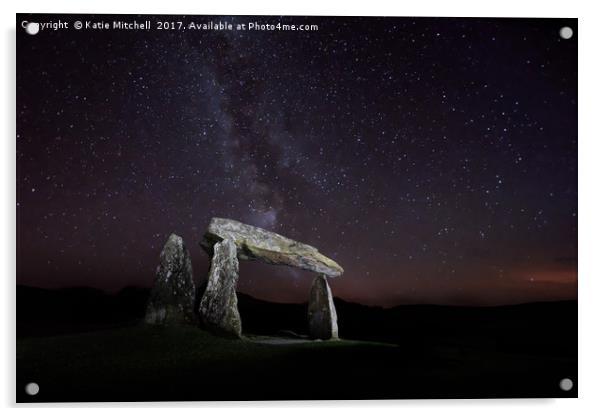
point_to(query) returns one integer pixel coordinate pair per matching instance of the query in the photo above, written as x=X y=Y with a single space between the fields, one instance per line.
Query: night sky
x=434 y=159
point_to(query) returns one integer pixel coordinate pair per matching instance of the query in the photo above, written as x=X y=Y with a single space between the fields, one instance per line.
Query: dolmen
x=227 y=241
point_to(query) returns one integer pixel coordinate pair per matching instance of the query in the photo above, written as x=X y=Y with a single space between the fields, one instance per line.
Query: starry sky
x=435 y=159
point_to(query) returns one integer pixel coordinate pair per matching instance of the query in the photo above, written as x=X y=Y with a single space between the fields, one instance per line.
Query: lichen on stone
x=172 y=297
x=322 y=315
x=219 y=305
x=254 y=243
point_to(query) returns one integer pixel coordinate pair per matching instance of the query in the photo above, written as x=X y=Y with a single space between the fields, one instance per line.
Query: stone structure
x=219 y=305
x=172 y=297
x=322 y=315
x=228 y=240
x=254 y=243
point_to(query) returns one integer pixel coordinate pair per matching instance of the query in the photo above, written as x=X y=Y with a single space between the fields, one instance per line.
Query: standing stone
x=322 y=314
x=172 y=297
x=219 y=305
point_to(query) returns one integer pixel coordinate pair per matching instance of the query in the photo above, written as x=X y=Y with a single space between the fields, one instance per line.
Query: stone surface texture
x=172 y=298
x=322 y=315
x=219 y=305
x=254 y=243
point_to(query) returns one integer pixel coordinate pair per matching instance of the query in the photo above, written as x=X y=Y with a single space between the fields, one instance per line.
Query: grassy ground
x=100 y=353
x=159 y=363
x=146 y=363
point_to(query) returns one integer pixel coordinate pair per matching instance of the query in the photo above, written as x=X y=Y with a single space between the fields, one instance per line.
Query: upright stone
x=219 y=305
x=172 y=297
x=322 y=315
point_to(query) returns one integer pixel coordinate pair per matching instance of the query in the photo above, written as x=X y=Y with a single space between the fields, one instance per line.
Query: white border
x=590 y=134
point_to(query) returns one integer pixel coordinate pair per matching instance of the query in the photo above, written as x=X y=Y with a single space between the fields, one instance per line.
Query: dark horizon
x=337 y=298
x=435 y=159
x=467 y=304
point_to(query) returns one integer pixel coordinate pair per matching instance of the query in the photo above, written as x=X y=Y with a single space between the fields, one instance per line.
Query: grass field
x=101 y=353
x=160 y=363
x=146 y=363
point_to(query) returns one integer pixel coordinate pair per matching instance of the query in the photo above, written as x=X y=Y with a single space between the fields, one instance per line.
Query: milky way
x=434 y=159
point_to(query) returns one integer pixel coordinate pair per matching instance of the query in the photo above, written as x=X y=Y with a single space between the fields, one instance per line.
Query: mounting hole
x=32 y=389
x=566 y=32
x=32 y=28
x=566 y=384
